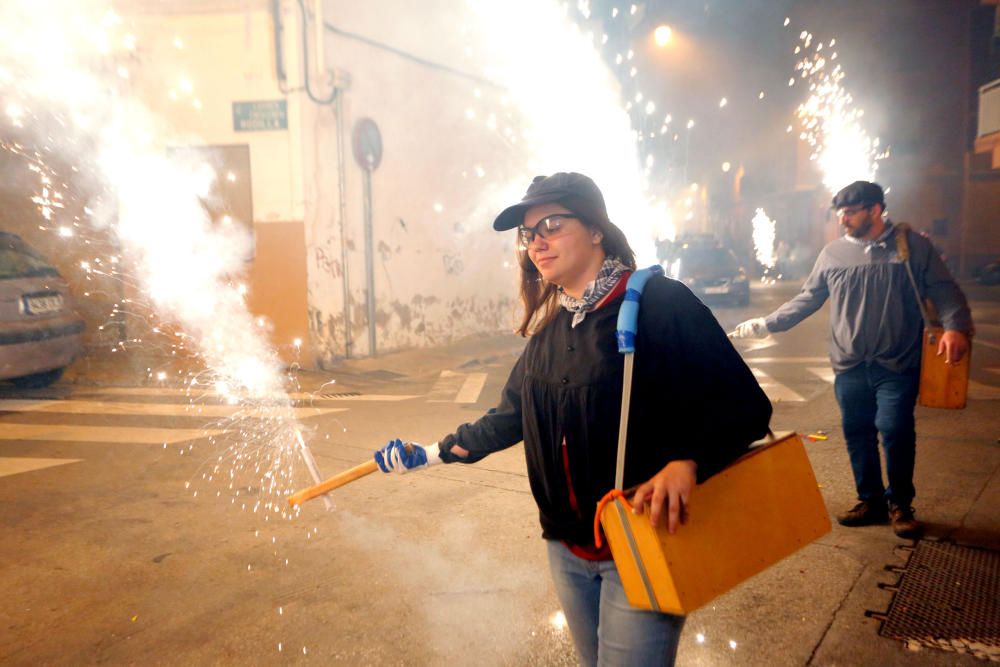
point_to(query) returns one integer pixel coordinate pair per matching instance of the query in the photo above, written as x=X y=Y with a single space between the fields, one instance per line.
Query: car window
x=17 y=260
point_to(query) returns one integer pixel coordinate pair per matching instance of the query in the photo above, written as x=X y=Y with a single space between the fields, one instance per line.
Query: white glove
x=402 y=458
x=755 y=328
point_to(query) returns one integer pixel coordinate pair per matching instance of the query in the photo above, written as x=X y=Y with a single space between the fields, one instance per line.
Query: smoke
x=570 y=103
x=471 y=603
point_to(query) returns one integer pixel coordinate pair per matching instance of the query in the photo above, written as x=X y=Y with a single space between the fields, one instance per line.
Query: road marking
x=207 y=392
x=449 y=383
x=471 y=388
x=755 y=345
x=115 y=434
x=157 y=409
x=15 y=466
x=824 y=373
x=774 y=389
x=983 y=392
x=982 y=341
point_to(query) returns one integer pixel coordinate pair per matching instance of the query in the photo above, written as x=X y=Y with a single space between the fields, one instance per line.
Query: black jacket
x=693 y=397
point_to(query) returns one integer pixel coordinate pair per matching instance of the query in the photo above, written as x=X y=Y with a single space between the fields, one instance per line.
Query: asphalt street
x=140 y=527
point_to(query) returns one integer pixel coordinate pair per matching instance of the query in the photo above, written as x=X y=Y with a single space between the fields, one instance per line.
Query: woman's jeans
x=876 y=401
x=605 y=629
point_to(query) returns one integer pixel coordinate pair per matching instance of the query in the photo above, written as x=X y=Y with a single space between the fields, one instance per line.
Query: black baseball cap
x=859 y=193
x=575 y=191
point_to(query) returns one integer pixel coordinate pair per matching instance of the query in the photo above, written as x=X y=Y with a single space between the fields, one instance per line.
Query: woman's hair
x=541 y=298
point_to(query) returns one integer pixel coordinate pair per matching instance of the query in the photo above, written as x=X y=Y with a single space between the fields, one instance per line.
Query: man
x=876 y=343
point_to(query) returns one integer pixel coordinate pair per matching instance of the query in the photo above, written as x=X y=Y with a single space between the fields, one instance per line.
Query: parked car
x=40 y=330
x=711 y=270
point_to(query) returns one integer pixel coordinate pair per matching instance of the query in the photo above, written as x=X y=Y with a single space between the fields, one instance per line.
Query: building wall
x=440 y=272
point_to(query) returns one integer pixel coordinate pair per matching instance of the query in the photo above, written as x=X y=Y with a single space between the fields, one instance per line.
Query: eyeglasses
x=850 y=210
x=547 y=228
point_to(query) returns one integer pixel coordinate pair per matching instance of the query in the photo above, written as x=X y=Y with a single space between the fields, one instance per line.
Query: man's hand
x=953 y=345
x=755 y=328
x=402 y=458
x=671 y=487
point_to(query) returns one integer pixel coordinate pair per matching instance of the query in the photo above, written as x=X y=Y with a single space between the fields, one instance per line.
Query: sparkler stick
x=338 y=480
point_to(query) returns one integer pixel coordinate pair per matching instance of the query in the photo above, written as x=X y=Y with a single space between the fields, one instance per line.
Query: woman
x=695 y=407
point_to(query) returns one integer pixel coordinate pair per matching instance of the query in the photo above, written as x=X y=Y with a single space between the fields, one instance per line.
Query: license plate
x=39 y=305
x=722 y=289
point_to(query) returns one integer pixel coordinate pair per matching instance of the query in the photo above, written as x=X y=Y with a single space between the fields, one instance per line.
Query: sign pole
x=369 y=259
x=366 y=142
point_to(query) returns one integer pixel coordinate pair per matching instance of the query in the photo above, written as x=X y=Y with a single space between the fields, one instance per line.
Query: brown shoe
x=865 y=513
x=903 y=523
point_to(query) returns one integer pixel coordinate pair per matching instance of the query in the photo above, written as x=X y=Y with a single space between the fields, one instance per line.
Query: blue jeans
x=605 y=629
x=876 y=401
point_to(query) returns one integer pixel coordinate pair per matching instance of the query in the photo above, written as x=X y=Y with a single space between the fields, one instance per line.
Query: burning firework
x=62 y=68
x=842 y=148
x=763 y=239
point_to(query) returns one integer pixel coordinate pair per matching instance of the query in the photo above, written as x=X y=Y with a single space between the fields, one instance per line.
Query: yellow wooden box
x=942 y=385
x=762 y=508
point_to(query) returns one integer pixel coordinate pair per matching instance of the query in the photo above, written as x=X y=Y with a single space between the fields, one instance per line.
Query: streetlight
x=663 y=34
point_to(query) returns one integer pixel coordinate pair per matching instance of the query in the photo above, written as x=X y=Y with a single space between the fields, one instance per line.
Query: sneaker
x=903 y=522
x=865 y=513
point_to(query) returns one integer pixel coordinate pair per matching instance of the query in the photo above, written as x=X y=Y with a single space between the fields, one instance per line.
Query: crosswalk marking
x=471 y=388
x=115 y=434
x=149 y=409
x=774 y=389
x=981 y=341
x=448 y=384
x=983 y=392
x=755 y=345
x=207 y=392
x=17 y=465
x=824 y=373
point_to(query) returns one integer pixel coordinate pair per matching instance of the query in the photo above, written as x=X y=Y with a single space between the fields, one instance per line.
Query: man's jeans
x=876 y=401
x=605 y=629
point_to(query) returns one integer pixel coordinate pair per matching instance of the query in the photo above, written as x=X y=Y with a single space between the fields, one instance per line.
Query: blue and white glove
x=402 y=458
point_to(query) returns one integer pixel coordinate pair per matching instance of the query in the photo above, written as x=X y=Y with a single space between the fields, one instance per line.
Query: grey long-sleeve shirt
x=874 y=315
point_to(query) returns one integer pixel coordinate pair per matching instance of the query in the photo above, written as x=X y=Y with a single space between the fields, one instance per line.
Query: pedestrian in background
x=877 y=333
x=695 y=408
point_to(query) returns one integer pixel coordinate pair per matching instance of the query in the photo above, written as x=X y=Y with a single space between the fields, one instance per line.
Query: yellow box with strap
x=763 y=507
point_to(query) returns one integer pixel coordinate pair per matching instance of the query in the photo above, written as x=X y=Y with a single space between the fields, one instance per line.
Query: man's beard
x=862 y=230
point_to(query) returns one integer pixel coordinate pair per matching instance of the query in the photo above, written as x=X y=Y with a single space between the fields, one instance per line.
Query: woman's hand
x=672 y=486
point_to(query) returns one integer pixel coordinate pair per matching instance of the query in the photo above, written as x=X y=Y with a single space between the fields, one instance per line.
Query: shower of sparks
x=763 y=239
x=74 y=125
x=563 y=90
x=831 y=124
x=558 y=621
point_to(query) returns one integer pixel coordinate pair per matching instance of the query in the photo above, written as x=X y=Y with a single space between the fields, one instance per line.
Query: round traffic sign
x=366 y=142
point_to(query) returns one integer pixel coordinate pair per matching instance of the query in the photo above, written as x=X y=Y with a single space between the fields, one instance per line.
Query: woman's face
x=563 y=249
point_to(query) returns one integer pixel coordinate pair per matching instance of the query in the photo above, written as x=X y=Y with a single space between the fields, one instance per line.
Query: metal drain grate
x=948 y=598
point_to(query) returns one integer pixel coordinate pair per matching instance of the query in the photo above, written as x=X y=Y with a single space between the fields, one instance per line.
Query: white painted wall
x=225 y=57
x=441 y=272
